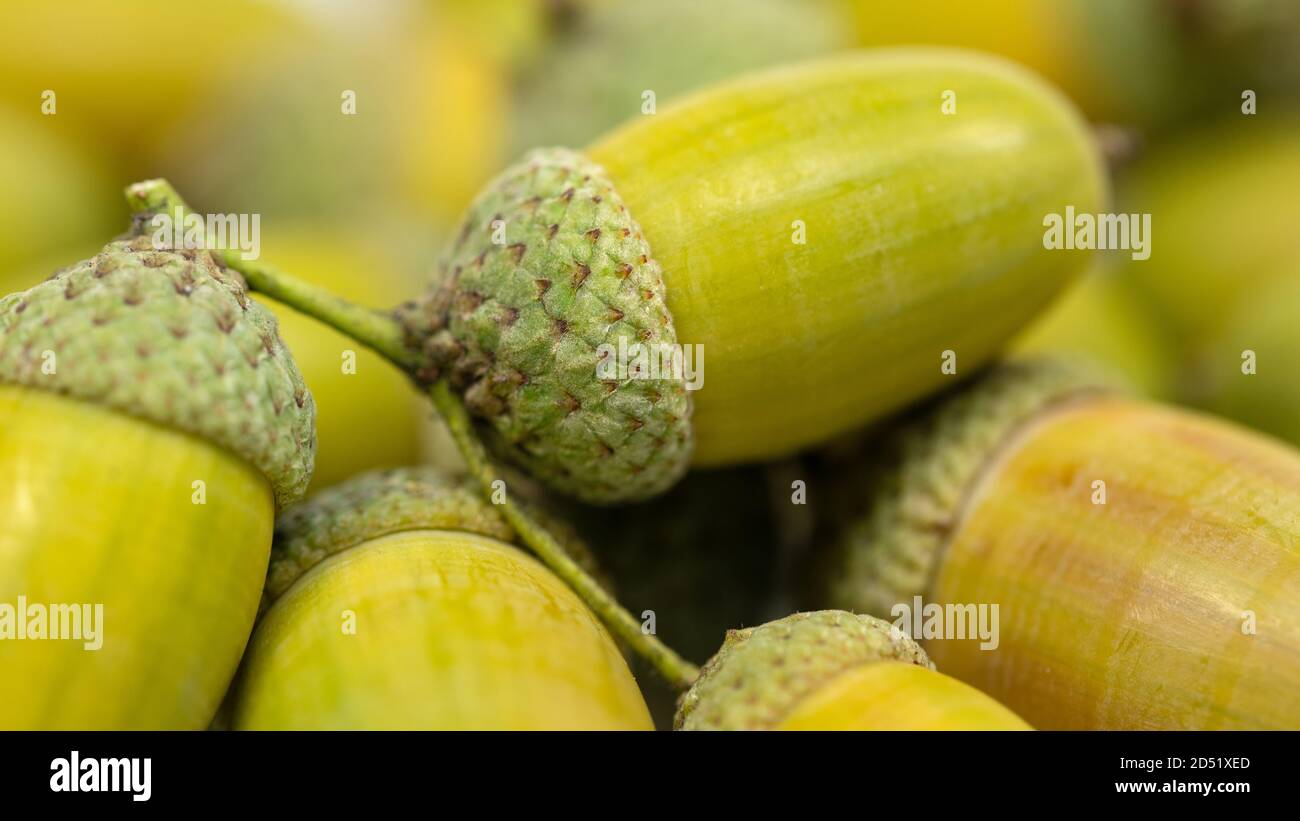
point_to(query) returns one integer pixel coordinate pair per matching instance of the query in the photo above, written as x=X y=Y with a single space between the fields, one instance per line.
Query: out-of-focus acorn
x=617 y=60
x=368 y=415
x=1148 y=63
x=1222 y=204
x=1107 y=320
x=57 y=204
x=1249 y=370
x=396 y=121
x=86 y=63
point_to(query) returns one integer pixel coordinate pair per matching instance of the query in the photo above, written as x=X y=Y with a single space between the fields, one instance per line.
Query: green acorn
x=822 y=234
x=832 y=670
x=396 y=600
x=597 y=71
x=151 y=422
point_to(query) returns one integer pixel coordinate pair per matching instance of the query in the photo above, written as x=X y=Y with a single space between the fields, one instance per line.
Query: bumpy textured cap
x=762 y=673
x=891 y=552
x=548 y=268
x=382 y=502
x=171 y=337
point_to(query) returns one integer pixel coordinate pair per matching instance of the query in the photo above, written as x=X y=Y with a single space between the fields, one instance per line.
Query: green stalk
x=382 y=333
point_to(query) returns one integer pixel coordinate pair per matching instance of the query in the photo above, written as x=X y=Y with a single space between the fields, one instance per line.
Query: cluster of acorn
x=846 y=250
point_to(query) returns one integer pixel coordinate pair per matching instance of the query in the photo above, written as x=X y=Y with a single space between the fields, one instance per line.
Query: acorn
x=1222 y=278
x=360 y=399
x=57 y=201
x=822 y=230
x=1247 y=370
x=1144 y=559
x=1106 y=319
x=412 y=94
x=1148 y=63
x=832 y=670
x=613 y=61
x=396 y=601
x=151 y=421
x=80 y=61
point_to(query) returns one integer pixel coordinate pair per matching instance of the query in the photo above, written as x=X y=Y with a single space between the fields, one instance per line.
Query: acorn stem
x=385 y=335
x=623 y=624
x=376 y=330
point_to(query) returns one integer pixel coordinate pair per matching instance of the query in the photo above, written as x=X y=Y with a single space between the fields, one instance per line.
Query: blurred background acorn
x=597 y=68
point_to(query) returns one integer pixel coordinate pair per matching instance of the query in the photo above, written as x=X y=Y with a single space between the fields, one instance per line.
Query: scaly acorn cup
x=396 y=601
x=821 y=231
x=832 y=670
x=150 y=423
x=1144 y=560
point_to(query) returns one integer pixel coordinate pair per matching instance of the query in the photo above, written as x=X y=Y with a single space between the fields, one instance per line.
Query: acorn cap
x=890 y=554
x=171 y=337
x=761 y=673
x=548 y=277
x=383 y=502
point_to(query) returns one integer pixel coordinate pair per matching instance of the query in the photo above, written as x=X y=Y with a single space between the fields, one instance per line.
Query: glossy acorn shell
x=452 y=631
x=890 y=695
x=98 y=509
x=1173 y=605
x=924 y=232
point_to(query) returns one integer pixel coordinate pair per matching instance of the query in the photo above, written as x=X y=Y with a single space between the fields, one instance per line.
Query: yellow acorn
x=80 y=62
x=1106 y=319
x=1142 y=62
x=367 y=416
x=832 y=670
x=1144 y=561
x=151 y=421
x=816 y=239
x=391 y=126
x=57 y=202
x=395 y=601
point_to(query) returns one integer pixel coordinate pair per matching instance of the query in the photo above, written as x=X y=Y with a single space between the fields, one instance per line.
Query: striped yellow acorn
x=831 y=670
x=395 y=601
x=1144 y=560
x=150 y=423
x=811 y=239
